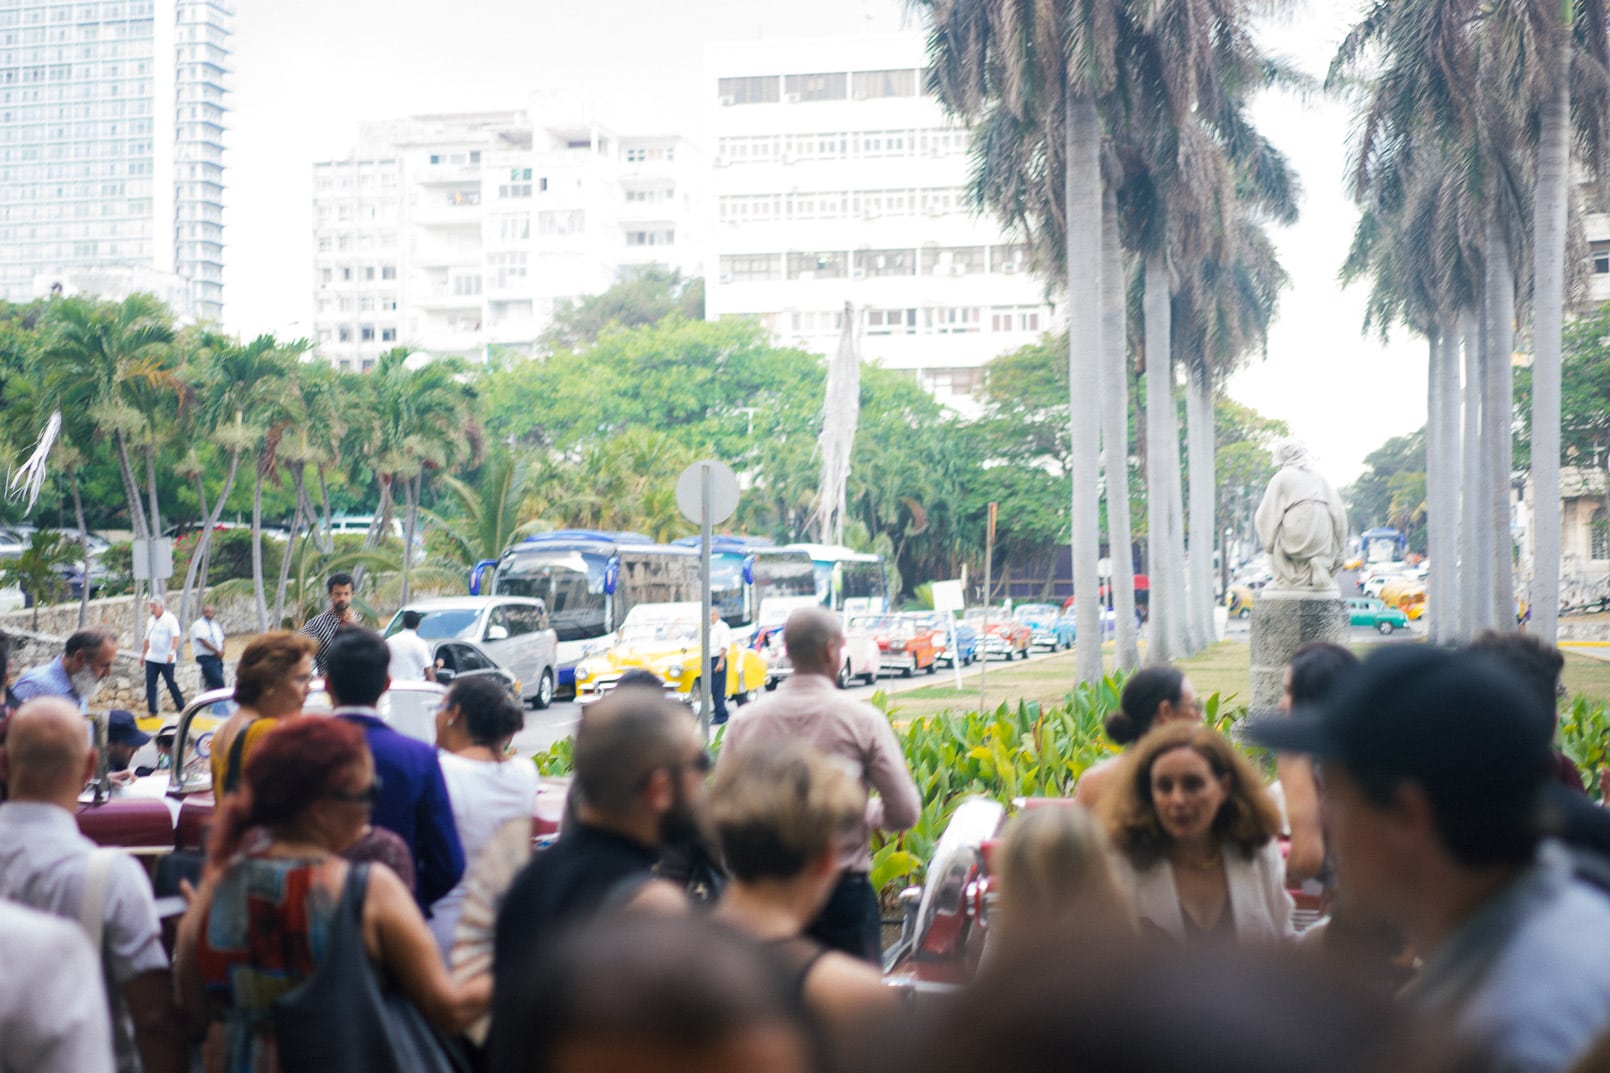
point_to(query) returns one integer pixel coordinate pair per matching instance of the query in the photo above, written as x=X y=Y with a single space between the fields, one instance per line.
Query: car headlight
x=583 y=671
x=673 y=670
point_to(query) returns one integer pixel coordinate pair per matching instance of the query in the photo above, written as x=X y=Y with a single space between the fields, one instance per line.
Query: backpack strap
x=92 y=906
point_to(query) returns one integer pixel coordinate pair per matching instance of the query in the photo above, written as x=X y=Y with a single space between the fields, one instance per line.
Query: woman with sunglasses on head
x=474 y=725
x=262 y=919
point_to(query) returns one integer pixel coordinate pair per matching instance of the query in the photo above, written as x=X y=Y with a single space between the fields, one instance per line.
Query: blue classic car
x=1041 y=619
x=966 y=637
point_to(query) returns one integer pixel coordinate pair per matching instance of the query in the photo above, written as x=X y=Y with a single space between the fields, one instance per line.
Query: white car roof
x=467 y=603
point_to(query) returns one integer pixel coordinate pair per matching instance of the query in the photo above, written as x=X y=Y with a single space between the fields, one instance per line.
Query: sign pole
x=704 y=601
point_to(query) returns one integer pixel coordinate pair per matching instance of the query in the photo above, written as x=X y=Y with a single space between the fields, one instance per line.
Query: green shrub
x=1585 y=738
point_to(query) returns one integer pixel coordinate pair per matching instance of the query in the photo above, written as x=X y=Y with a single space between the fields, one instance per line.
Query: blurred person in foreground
x=47 y=864
x=777 y=818
x=810 y=708
x=1315 y=672
x=1193 y=833
x=271 y=682
x=55 y=1021
x=474 y=725
x=260 y=922
x=1433 y=775
x=651 y=994
x=1153 y=696
x=1054 y=879
x=639 y=782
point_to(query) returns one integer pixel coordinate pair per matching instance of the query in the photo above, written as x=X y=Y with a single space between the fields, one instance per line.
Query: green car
x=1368 y=611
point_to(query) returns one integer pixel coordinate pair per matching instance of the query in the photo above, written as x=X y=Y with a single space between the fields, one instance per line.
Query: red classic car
x=902 y=645
x=1005 y=637
x=171 y=809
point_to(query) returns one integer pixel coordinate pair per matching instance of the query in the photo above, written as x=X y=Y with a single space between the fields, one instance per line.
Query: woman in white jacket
x=1193 y=833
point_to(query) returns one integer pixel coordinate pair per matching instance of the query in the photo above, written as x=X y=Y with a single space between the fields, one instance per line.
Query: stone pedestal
x=1281 y=624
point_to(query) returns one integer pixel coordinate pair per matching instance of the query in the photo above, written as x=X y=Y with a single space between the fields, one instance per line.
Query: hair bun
x=1119 y=727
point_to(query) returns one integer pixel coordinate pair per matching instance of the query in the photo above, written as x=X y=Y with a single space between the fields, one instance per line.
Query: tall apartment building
x=459 y=234
x=111 y=148
x=837 y=179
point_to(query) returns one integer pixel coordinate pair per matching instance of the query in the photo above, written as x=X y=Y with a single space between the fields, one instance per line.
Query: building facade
x=112 y=116
x=837 y=179
x=461 y=234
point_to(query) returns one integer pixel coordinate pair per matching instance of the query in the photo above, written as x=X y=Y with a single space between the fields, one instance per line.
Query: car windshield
x=662 y=632
x=442 y=625
x=1033 y=611
x=878 y=623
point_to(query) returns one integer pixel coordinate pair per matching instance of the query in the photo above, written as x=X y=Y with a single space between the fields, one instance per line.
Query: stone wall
x=125 y=688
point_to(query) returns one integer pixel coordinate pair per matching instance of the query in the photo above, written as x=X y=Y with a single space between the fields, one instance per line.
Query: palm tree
x=1115 y=436
x=486 y=516
x=38 y=570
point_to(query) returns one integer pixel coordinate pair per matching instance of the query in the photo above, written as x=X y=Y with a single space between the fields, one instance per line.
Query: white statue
x=1302 y=525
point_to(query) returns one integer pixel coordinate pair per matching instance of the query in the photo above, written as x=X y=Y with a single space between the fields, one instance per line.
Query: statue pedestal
x=1282 y=622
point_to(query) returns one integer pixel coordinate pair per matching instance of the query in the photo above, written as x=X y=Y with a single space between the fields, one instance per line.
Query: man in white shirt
x=207 y=645
x=55 y=1021
x=47 y=864
x=162 y=640
x=720 y=641
x=410 y=653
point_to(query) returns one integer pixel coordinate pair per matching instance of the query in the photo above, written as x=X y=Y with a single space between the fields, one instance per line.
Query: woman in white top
x=1193 y=833
x=487 y=788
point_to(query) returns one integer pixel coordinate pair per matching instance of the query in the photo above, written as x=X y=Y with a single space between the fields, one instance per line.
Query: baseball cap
x=121 y=728
x=1461 y=724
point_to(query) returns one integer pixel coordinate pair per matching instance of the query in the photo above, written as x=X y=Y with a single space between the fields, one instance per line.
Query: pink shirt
x=810 y=708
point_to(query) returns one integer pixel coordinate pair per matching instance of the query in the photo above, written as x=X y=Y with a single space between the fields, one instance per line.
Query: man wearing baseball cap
x=1434 y=777
x=123 y=739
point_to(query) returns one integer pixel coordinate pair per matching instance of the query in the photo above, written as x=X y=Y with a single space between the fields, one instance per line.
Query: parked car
x=1005 y=637
x=903 y=647
x=1408 y=595
x=860 y=661
x=1239 y=600
x=944 y=626
x=455 y=661
x=768 y=634
x=172 y=809
x=664 y=639
x=1066 y=626
x=513 y=631
x=1041 y=620
x=1368 y=611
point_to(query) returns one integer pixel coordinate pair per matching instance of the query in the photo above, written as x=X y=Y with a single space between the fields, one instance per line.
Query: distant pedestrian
x=207 y=645
x=810 y=708
x=322 y=627
x=162 y=640
x=1153 y=696
x=720 y=641
x=123 y=739
x=76 y=674
x=410 y=653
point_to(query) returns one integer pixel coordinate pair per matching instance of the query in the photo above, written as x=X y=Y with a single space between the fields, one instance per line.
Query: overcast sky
x=307 y=72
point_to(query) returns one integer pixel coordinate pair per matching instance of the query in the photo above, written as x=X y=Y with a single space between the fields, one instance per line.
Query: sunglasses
x=369 y=795
x=699 y=761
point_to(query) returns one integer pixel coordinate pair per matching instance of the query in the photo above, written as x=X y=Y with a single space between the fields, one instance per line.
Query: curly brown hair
x=266 y=662
x=1247 y=820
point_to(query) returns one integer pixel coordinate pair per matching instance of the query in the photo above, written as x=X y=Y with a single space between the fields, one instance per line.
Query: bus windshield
x=571 y=583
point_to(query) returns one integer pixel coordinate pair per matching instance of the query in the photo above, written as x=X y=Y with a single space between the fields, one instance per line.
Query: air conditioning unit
x=859 y=273
x=791 y=98
x=728 y=101
x=1009 y=268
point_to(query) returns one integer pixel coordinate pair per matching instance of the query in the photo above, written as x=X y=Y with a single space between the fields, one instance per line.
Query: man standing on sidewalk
x=720 y=641
x=207 y=644
x=322 y=627
x=809 y=707
x=162 y=640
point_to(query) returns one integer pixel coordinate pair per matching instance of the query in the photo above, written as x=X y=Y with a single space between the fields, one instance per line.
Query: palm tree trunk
x=1166 y=609
x=326 y=539
x=1199 y=435
x=259 y=596
x=83 y=545
x=285 y=561
x=410 y=522
x=158 y=585
x=1442 y=481
x=1548 y=306
x=131 y=490
x=1082 y=190
x=195 y=556
x=196 y=576
x=1497 y=420
x=1473 y=526
x=1115 y=436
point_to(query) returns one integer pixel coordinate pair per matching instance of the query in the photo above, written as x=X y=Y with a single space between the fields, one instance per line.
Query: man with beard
x=639 y=780
x=76 y=674
x=322 y=627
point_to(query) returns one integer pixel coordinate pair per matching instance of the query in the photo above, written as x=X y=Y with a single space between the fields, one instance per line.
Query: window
x=1601 y=260
x=1008 y=259
x=388 y=272
x=876 y=263
x=466 y=286
x=953 y=261
x=506 y=268
x=1600 y=526
x=962 y=381
x=651 y=238
x=1014 y=319
x=827 y=322
x=819 y=87
x=951 y=320
x=822 y=265
x=519 y=175
x=751 y=268
x=514 y=228
x=571 y=222
x=891 y=322
x=514 y=190
x=866 y=85
x=759 y=89
x=388 y=335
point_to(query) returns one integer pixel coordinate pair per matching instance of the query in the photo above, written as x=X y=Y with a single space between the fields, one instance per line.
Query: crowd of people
x=718 y=913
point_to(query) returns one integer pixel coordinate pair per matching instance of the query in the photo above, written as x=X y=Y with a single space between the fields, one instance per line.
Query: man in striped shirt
x=322 y=627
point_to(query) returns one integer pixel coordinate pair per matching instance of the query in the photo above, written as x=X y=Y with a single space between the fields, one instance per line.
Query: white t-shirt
x=485 y=794
x=163 y=635
x=206 y=629
x=410 y=655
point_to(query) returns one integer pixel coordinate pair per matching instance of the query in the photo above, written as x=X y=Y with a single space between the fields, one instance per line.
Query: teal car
x=1368 y=611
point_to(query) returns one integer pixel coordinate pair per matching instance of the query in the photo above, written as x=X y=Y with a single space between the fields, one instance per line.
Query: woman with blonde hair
x=1193 y=834
x=271 y=683
x=1055 y=878
x=779 y=818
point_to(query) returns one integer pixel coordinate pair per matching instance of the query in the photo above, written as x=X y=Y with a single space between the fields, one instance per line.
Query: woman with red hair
x=261 y=921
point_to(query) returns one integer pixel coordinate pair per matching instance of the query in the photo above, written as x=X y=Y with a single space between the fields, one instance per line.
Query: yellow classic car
x=664 y=640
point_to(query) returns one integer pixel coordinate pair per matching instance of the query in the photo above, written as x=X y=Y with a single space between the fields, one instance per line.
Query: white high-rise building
x=111 y=149
x=459 y=234
x=836 y=178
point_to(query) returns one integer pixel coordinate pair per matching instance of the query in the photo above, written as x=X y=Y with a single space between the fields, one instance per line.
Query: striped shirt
x=322 y=627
